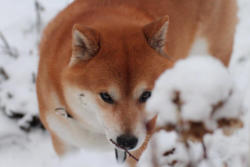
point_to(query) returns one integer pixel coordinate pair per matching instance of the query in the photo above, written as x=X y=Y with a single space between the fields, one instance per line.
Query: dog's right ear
x=85 y=43
x=156 y=34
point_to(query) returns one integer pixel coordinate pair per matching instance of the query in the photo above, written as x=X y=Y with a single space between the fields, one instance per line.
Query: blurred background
x=23 y=139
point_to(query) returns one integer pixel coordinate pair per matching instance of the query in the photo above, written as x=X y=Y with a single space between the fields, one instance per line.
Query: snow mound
x=165 y=149
x=200 y=87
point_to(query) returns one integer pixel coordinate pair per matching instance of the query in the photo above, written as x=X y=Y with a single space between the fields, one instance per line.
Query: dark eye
x=107 y=98
x=144 y=97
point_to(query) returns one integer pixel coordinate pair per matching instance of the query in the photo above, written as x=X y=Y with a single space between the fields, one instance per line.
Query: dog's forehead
x=125 y=63
x=131 y=74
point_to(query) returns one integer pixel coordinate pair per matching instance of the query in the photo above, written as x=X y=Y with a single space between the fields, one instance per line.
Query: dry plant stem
x=173 y=163
x=177 y=101
x=4 y=74
x=39 y=8
x=179 y=129
x=169 y=152
x=204 y=149
x=181 y=132
x=131 y=155
x=7 y=47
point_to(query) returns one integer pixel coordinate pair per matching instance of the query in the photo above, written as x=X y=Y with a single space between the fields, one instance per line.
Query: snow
x=217 y=145
x=202 y=82
x=19 y=148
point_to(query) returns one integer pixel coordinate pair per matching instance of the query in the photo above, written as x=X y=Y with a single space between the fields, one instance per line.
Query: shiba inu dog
x=99 y=60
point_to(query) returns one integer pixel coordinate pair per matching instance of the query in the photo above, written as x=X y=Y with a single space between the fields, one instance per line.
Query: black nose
x=127 y=141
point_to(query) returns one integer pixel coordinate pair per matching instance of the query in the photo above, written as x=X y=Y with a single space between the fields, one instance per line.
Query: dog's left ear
x=85 y=43
x=156 y=33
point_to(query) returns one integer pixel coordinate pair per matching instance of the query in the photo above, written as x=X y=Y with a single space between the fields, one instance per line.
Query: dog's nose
x=127 y=141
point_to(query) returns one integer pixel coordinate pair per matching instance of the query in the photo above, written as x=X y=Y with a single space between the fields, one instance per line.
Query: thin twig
x=204 y=149
x=169 y=152
x=4 y=74
x=7 y=48
x=131 y=155
x=39 y=8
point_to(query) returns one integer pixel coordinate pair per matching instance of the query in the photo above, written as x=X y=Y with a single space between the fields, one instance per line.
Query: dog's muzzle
x=124 y=143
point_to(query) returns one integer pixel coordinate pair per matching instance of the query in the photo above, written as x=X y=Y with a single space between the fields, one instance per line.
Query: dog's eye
x=144 y=96
x=107 y=98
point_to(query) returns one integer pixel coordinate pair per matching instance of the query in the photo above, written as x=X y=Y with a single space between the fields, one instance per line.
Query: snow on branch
x=194 y=99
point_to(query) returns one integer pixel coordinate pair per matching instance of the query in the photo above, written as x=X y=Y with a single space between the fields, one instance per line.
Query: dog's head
x=112 y=72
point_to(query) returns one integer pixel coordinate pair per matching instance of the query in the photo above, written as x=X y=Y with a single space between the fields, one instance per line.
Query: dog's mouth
x=121 y=153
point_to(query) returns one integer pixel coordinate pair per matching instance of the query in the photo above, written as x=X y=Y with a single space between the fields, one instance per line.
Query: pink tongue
x=120 y=155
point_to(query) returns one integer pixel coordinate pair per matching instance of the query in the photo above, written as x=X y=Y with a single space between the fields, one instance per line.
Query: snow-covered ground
x=17 y=92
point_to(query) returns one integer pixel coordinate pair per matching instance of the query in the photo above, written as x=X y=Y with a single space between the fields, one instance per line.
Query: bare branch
x=39 y=8
x=7 y=48
x=204 y=150
x=3 y=74
x=169 y=152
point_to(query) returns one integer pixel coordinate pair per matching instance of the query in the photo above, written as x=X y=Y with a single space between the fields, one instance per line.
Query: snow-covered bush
x=19 y=57
x=195 y=99
x=198 y=89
